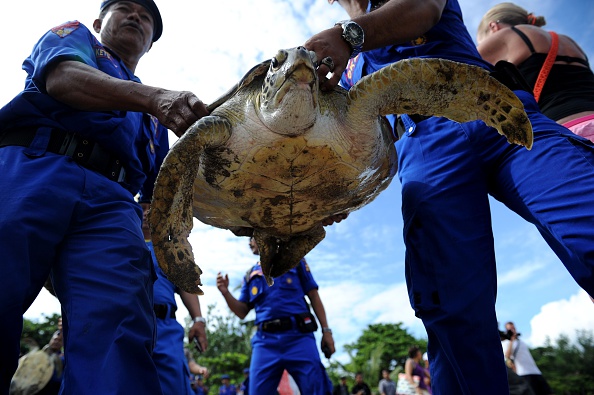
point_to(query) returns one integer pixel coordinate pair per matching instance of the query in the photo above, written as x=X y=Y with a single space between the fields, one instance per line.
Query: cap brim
x=151 y=7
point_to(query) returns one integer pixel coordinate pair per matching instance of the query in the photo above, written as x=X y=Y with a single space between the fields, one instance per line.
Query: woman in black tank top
x=508 y=32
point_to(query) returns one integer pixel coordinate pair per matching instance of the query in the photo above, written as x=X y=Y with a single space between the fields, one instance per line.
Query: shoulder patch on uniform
x=254 y=271
x=66 y=28
x=419 y=40
x=254 y=290
x=257 y=271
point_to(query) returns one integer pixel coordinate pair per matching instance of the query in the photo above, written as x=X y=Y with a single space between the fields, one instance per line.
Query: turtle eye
x=279 y=59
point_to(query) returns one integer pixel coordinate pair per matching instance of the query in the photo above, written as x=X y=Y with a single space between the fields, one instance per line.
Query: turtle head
x=289 y=98
x=278 y=255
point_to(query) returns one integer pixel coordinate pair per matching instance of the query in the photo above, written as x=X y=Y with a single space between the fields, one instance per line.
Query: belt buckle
x=68 y=145
x=272 y=325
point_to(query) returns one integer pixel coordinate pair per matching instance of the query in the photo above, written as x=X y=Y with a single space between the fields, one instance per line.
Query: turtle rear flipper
x=170 y=217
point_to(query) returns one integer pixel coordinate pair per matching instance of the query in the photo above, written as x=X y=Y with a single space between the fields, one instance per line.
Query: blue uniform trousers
x=291 y=350
x=86 y=230
x=447 y=170
x=174 y=374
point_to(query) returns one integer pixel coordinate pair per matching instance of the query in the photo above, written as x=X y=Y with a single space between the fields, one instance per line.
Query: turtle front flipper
x=170 y=217
x=279 y=256
x=440 y=87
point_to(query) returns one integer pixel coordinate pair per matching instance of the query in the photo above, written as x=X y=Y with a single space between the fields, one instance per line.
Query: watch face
x=354 y=34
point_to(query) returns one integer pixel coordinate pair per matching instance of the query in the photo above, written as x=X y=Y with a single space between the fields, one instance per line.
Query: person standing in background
x=169 y=355
x=285 y=336
x=516 y=351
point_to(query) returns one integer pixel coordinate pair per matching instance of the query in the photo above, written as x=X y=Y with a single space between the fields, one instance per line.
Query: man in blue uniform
x=226 y=387
x=76 y=145
x=447 y=171
x=169 y=356
x=285 y=339
x=244 y=386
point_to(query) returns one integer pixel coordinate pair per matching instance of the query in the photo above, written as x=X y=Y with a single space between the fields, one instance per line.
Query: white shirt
x=522 y=358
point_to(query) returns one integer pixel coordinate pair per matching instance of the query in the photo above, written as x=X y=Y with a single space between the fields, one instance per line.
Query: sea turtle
x=277 y=156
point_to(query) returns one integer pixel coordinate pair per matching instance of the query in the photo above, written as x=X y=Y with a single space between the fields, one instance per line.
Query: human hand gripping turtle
x=277 y=157
x=332 y=50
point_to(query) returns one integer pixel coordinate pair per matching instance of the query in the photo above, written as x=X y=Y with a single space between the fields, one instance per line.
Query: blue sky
x=206 y=48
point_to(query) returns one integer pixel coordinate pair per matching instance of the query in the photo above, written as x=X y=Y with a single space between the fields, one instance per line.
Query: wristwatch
x=199 y=319
x=354 y=35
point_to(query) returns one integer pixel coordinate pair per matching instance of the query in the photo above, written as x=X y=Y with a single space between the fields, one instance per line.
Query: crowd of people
x=82 y=144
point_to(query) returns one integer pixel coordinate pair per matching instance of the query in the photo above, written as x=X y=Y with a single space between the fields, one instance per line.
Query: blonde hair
x=510 y=14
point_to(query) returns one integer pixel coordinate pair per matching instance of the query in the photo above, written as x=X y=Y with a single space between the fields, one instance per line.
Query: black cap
x=149 y=5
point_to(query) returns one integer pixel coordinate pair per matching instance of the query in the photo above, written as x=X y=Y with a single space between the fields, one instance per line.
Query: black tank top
x=569 y=88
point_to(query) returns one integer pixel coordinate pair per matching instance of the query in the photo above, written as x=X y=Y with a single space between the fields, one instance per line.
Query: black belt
x=163 y=311
x=277 y=325
x=83 y=151
x=401 y=129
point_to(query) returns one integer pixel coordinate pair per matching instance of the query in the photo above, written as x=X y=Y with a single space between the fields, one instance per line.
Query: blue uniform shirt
x=284 y=298
x=227 y=390
x=131 y=136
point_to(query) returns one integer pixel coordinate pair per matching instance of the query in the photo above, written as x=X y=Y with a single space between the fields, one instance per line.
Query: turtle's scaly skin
x=276 y=156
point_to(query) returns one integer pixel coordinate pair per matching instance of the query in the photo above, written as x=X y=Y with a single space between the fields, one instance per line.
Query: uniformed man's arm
x=395 y=22
x=238 y=307
x=86 y=88
x=198 y=328
x=320 y=311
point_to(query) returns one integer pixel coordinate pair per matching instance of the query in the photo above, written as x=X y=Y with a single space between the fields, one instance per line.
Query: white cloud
x=45 y=305
x=519 y=273
x=564 y=316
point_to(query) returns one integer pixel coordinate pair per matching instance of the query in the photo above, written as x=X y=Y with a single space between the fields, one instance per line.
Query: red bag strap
x=547 y=65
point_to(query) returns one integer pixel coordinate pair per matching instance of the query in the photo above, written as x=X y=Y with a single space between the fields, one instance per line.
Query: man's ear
x=494 y=26
x=97 y=25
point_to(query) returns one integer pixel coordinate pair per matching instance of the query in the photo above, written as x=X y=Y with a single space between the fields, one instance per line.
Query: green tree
x=568 y=368
x=380 y=346
x=37 y=334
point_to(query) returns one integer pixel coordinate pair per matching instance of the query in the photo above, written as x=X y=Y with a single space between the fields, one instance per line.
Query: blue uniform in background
x=447 y=171
x=168 y=354
x=290 y=349
x=60 y=216
x=227 y=390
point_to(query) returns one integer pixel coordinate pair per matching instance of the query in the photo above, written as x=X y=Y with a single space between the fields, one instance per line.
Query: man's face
x=385 y=374
x=56 y=341
x=359 y=378
x=128 y=25
x=510 y=327
x=254 y=246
